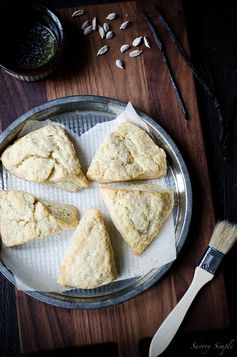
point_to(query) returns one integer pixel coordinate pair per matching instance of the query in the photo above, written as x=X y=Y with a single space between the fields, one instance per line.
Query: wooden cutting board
x=144 y=82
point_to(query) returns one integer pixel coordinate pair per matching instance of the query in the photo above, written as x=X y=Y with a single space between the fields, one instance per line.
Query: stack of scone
x=138 y=211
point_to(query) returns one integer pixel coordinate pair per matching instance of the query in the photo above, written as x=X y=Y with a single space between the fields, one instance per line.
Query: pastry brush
x=223 y=238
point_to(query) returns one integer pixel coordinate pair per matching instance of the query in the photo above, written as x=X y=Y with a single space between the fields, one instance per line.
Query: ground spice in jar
x=33 y=47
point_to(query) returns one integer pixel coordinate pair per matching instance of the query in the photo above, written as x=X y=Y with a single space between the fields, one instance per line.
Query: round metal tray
x=80 y=113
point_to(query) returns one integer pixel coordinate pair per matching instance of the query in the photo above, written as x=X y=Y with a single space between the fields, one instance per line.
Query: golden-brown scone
x=47 y=156
x=89 y=260
x=138 y=212
x=128 y=153
x=23 y=217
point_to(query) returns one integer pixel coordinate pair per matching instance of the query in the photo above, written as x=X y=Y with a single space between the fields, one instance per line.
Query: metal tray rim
x=44 y=297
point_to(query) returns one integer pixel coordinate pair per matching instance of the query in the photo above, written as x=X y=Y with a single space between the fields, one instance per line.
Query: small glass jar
x=32 y=40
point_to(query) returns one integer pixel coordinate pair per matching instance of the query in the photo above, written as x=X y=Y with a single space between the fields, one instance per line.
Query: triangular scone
x=47 y=156
x=89 y=260
x=138 y=212
x=128 y=153
x=23 y=217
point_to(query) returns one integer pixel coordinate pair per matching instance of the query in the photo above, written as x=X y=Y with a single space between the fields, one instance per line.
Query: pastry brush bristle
x=224 y=236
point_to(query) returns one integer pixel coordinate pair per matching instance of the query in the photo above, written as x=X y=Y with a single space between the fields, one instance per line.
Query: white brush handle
x=169 y=327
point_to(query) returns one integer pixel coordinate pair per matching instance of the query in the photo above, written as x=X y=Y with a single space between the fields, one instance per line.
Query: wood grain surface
x=146 y=84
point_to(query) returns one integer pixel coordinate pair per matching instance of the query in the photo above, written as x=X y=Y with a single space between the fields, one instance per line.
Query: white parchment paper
x=35 y=265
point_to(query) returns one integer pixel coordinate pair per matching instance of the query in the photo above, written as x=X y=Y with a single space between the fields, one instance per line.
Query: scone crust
x=23 y=217
x=89 y=260
x=48 y=156
x=138 y=212
x=128 y=153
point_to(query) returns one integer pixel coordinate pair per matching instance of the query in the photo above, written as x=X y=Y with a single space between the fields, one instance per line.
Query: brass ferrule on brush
x=211 y=260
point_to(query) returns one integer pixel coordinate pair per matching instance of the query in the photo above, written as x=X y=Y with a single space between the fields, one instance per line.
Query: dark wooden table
x=212 y=30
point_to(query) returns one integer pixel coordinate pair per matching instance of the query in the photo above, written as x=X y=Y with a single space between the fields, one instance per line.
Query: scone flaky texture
x=47 y=156
x=138 y=212
x=128 y=153
x=89 y=260
x=24 y=218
